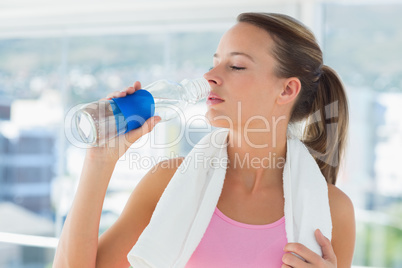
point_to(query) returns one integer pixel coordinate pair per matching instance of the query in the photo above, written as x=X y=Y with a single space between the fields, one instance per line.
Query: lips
x=214 y=99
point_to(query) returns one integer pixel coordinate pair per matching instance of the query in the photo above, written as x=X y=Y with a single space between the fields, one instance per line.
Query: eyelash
x=234 y=68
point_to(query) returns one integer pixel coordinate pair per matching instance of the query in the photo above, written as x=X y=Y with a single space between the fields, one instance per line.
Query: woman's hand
x=312 y=259
x=116 y=147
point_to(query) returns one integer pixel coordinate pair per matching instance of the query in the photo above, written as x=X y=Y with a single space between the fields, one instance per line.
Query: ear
x=290 y=90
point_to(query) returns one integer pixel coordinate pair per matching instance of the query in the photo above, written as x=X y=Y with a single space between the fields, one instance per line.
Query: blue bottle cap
x=136 y=108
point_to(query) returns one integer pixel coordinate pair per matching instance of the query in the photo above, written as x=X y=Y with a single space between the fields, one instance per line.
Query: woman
x=270 y=67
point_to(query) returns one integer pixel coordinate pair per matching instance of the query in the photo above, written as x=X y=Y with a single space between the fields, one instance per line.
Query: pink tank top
x=228 y=243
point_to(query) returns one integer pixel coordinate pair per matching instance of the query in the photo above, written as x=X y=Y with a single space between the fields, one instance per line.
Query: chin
x=218 y=120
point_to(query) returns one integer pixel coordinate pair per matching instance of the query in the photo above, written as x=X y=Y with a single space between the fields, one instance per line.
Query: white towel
x=185 y=208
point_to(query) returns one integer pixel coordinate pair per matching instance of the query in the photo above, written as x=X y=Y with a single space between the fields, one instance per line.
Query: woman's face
x=244 y=86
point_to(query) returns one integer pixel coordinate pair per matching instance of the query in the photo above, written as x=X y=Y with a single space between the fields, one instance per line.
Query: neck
x=256 y=159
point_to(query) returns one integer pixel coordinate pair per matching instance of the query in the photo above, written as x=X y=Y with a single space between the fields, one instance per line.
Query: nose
x=213 y=77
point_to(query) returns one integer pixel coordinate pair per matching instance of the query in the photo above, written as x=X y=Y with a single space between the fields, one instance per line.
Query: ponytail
x=325 y=133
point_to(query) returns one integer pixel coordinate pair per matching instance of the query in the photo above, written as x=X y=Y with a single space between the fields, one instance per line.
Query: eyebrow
x=237 y=54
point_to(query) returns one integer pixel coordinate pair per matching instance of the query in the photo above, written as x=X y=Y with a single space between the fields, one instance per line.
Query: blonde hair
x=322 y=100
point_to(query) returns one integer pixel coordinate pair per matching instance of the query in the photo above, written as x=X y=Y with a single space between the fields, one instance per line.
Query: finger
x=305 y=254
x=293 y=261
x=285 y=266
x=116 y=94
x=147 y=127
x=326 y=246
x=130 y=90
x=137 y=85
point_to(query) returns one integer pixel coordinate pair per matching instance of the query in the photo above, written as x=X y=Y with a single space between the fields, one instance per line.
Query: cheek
x=242 y=106
x=255 y=104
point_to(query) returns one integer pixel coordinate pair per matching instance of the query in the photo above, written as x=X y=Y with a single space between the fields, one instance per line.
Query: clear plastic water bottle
x=100 y=121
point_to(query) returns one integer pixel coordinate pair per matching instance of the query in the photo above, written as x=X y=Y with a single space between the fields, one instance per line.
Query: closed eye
x=237 y=68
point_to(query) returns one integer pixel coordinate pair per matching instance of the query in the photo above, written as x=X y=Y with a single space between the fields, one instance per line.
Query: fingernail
x=320 y=233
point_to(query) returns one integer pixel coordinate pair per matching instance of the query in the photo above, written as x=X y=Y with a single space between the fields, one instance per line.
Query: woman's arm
x=117 y=241
x=344 y=226
x=78 y=243
x=79 y=239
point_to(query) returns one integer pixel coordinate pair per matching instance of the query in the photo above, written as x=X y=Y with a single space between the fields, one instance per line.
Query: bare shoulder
x=344 y=226
x=156 y=180
x=340 y=204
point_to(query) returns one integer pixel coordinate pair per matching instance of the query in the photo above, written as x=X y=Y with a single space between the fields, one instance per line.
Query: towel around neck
x=185 y=208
